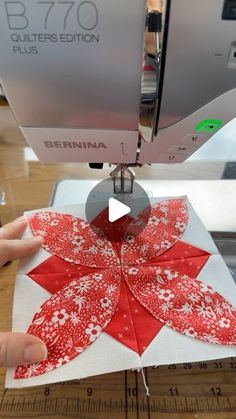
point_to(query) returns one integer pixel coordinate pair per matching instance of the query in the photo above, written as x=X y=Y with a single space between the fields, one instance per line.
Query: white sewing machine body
x=73 y=75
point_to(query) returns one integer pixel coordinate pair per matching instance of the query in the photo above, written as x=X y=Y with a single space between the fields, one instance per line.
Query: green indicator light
x=209 y=125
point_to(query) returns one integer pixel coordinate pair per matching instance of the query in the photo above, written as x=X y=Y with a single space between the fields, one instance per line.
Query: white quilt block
x=110 y=345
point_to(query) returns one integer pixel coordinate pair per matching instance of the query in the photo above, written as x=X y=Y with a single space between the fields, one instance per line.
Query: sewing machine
x=75 y=78
x=84 y=89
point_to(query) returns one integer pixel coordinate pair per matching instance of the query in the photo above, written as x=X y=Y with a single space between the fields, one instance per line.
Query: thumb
x=19 y=348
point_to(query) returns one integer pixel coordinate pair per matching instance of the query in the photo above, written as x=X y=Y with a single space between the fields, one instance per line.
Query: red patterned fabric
x=127 y=288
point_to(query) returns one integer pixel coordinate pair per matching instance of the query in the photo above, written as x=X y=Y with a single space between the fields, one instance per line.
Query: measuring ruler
x=177 y=388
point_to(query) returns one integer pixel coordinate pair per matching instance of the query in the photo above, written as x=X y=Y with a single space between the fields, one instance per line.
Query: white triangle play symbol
x=117 y=210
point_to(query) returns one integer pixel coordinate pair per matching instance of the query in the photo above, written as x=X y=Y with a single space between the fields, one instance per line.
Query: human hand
x=18 y=348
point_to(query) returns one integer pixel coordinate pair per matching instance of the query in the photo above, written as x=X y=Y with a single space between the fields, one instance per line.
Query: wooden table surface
x=28 y=185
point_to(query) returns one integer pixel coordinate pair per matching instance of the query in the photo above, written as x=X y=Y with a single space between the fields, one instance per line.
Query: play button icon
x=115 y=213
x=117 y=210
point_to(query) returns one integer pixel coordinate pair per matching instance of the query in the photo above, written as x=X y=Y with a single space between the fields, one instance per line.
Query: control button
x=172 y=158
x=194 y=141
x=229 y=11
x=232 y=56
x=180 y=148
x=209 y=125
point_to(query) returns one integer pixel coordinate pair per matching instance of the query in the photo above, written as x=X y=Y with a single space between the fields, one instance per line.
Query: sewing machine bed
x=212 y=200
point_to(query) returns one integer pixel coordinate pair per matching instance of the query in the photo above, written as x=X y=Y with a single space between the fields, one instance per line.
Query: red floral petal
x=184 y=304
x=164 y=226
x=73 y=239
x=73 y=318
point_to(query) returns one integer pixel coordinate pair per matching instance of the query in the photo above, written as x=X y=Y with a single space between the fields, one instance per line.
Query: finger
x=14 y=229
x=19 y=348
x=16 y=249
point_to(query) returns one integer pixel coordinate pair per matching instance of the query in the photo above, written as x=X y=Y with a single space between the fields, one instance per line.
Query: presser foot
x=123 y=179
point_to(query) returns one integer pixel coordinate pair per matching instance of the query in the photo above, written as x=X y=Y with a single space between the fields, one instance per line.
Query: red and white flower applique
x=127 y=287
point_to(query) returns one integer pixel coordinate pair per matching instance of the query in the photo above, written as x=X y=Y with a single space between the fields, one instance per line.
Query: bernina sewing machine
x=83 y=89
